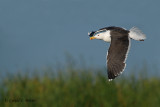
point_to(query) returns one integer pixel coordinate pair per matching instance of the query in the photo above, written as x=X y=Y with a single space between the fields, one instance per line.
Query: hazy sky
x=36 y=33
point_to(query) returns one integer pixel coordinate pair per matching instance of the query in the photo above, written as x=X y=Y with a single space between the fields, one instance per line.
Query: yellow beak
x=92 y=38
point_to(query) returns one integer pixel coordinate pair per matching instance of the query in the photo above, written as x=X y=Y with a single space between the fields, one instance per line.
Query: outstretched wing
x=117 y=54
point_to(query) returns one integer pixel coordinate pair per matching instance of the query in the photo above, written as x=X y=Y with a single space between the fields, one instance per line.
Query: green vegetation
x=75 y=87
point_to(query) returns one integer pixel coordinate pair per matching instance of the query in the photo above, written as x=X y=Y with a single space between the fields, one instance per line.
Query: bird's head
x=96 y=35
x=101 y=35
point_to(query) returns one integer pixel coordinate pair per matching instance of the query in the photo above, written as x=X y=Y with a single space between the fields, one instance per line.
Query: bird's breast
x=107 y=36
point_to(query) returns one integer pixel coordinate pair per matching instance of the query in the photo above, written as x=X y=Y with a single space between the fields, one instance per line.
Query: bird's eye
x=97 y=35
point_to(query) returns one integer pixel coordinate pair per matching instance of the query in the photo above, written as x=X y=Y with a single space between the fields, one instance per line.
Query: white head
x=102 y=35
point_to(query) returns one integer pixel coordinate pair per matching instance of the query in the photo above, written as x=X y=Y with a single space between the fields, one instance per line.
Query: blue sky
x=36 y=33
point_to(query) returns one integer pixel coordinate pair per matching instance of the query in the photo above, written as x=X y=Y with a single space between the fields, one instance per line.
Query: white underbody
x=136 y=34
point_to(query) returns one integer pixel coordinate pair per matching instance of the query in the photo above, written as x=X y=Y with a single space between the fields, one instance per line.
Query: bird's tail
x=136 y=34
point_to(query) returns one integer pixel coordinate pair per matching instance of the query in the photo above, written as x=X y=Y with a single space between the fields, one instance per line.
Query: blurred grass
x=78 y=87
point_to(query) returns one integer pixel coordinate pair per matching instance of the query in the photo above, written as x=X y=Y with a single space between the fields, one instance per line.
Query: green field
x=75 y=87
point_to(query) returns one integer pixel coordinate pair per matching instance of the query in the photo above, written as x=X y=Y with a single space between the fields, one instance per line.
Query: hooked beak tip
x=92 y=38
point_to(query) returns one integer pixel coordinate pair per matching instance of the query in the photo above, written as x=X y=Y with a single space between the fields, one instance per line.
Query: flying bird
x=119 y=39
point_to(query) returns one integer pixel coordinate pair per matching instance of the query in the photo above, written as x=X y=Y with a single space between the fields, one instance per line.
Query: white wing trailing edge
x=136 y=34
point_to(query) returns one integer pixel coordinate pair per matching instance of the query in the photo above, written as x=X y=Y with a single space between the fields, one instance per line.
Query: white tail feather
x=136 y=34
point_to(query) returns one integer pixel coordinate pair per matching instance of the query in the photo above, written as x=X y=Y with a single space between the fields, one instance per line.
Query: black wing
x=117 y=54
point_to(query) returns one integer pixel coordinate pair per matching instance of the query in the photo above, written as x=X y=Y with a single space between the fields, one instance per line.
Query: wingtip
x=110 y=80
